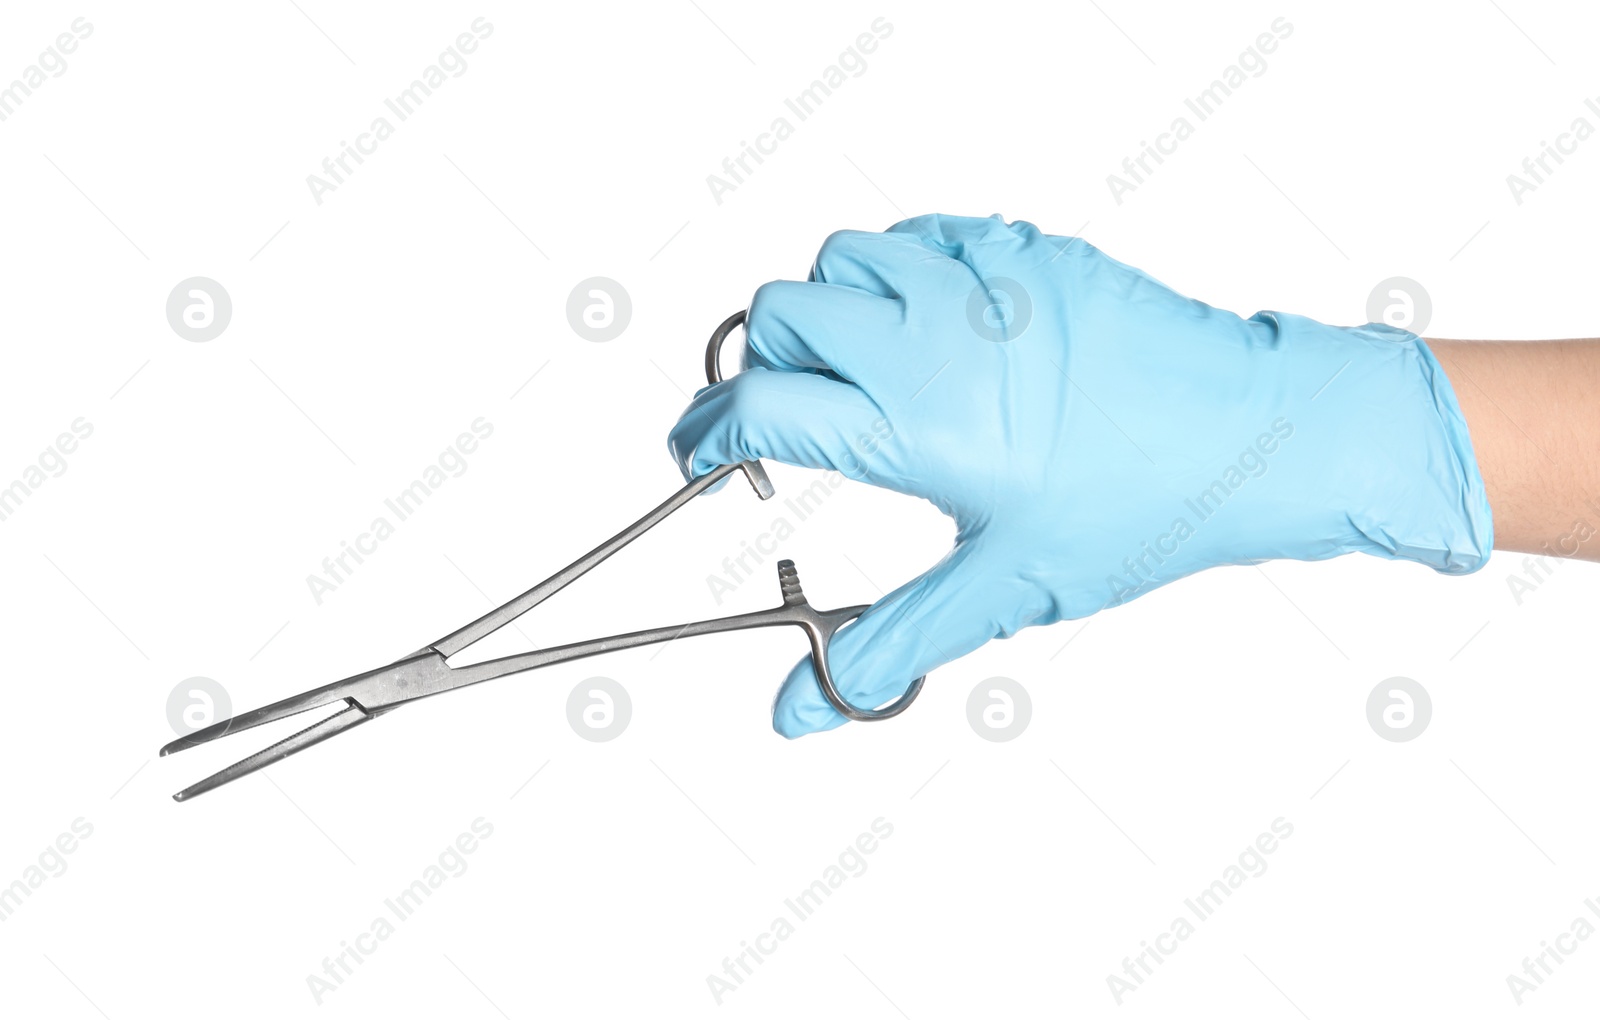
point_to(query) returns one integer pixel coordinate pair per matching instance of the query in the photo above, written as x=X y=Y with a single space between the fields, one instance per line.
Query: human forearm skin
x=1533 y=409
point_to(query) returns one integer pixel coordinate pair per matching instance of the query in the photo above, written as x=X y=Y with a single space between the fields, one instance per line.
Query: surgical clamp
x=426 y=672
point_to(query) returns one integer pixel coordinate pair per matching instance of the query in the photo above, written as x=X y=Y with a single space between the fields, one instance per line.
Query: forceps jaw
x=364 y=696
x=351 y=715
x=426 y=671
x=372 y=690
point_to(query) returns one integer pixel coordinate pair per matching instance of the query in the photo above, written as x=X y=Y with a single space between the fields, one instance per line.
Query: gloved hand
x=1094 y=434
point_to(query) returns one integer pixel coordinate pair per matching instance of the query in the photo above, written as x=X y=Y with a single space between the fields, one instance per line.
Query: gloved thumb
x=954 y=608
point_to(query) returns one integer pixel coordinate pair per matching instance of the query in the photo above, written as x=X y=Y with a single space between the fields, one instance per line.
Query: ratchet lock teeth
x=789 y=584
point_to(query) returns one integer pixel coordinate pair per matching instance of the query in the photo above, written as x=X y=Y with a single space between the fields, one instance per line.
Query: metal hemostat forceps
x=425 y=672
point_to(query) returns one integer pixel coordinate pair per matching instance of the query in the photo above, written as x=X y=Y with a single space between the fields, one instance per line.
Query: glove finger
x=797 y=327
x=796 y=418
x=982 y=243
x=883 y=264
x=957 y=606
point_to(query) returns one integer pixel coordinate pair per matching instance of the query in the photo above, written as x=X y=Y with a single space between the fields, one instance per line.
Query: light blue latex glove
x=1094 y=434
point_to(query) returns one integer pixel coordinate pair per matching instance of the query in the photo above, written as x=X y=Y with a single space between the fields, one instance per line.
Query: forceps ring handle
x=752 y=468
x=819 y=627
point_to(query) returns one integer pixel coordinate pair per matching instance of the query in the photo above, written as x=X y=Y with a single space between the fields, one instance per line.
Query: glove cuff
x=1434 y=509
x=1477 y=521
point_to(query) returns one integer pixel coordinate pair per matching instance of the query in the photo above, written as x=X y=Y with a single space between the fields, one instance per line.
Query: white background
x=425 y=292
